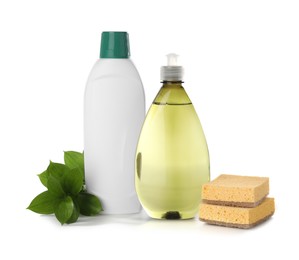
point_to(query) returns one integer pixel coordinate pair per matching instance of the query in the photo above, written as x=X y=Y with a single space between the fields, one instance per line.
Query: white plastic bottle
x=114 y=111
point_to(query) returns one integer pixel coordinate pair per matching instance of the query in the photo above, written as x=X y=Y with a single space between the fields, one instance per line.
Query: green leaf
x=64 y=210
x=55 y=186
x=73 y=181
x=43 y=177
x=89 y=204
x=74 y=160
x=65 y=196
x=43 y=203
x=57 y=170
x=76 y=212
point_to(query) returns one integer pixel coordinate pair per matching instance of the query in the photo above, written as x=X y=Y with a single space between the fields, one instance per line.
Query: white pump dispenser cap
x=172 y=72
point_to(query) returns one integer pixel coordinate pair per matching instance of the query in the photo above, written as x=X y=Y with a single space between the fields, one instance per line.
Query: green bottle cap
x=115 y=45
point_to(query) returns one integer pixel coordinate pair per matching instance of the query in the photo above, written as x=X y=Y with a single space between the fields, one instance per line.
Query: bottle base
x=171 y=215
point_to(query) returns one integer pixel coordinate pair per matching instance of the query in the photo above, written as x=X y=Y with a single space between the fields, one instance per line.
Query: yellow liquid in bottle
x=172 y=159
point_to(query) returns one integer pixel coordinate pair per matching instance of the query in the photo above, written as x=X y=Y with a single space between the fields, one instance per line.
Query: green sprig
x=66 y=196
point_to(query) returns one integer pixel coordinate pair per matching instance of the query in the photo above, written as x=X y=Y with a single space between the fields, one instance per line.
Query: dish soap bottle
x=114 y=110
x=172 y=159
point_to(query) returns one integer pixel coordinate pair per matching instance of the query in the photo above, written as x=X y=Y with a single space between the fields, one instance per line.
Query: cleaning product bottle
x=172 y=159
x=114 y=110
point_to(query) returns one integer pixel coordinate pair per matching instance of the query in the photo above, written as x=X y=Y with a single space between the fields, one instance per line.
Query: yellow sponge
x=236 y=216
x=235 y=190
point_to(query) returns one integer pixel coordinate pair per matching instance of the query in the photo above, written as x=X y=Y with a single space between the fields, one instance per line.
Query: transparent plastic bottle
x=172 y=159
x=114 y=110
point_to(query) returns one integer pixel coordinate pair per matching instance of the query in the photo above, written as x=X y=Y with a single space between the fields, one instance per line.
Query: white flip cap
x=172 y=72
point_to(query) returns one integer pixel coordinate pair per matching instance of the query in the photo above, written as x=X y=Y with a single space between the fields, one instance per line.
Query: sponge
x=236 y=216
x=235 y=190
x=236 y=201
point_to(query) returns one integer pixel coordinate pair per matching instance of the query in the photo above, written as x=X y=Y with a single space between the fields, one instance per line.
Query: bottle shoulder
x=115 y=79
x=172 y=95
x=111 y=66
x=116 y=71
x=113 y=69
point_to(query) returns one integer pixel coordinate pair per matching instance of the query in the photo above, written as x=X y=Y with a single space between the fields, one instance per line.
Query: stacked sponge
x=236 y=201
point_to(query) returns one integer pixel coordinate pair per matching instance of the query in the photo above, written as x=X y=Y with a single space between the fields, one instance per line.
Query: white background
x=242 y=74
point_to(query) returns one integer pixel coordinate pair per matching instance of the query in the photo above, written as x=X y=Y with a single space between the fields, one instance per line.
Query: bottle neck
x=172 y=84
x=172 y=93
